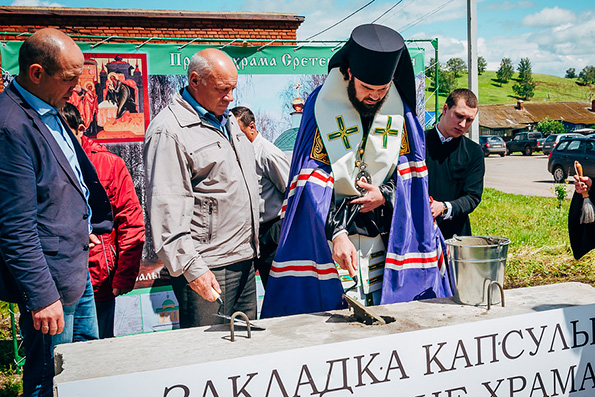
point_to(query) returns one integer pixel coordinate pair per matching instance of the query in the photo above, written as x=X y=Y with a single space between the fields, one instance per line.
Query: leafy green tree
x=481 y=65
x=448 y=82
x=548 y=127
x=431 y=69
x=587 y=75
x=505 y=71
x=525 y=88
x=457 y=66
x=524 y=69
x=570 y=73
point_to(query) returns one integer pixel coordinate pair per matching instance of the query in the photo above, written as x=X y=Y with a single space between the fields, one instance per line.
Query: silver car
x=551 y=141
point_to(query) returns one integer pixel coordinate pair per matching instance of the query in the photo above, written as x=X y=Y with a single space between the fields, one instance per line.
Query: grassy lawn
x=539 y=252
x=547 y=88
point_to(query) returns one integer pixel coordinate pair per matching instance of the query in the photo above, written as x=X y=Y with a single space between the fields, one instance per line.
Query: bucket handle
x=490 y=293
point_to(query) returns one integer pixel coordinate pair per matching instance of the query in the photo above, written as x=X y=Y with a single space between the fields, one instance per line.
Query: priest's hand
x=437 y=208
x=344 y=254
x=204 y=285
x=582 y=184
x=371 y=200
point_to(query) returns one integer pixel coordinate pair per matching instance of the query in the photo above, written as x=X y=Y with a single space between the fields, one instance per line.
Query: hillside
x=547 y=88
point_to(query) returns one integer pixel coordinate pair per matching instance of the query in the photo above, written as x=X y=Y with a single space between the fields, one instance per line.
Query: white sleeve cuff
x=449 y=211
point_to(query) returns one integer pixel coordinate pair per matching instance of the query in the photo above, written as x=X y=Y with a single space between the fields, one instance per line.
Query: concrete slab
x=138 y=353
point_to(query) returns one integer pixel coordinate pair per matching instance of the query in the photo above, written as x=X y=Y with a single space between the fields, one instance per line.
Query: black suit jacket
x=44 y=234
x=455 y=174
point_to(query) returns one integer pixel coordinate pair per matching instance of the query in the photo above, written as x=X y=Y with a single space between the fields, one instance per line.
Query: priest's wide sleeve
x=582 y=235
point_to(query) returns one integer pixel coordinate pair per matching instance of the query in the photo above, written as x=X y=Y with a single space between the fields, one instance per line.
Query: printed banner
x=167 y=59
x=548 y=353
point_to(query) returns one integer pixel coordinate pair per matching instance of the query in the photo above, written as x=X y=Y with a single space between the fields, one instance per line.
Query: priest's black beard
x=365 y=111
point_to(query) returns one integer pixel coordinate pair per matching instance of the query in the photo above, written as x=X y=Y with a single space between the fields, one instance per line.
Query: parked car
x=561 y=160
x=552 y=140
x=492 y=144
x=524 y=142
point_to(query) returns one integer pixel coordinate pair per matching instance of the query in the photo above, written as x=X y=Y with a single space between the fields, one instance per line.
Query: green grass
x=539 y=252
x=548 y=88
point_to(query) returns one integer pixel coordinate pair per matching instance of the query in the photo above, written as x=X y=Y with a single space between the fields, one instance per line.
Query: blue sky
x=554 y=35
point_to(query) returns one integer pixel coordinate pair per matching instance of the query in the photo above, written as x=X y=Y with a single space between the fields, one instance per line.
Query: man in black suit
x=455 y=165
x=50 y=202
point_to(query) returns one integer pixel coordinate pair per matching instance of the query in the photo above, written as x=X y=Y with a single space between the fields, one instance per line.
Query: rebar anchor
x=500 y=288
x=232 y=326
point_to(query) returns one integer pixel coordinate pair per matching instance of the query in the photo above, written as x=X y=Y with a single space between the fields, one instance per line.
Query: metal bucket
x=478 y=264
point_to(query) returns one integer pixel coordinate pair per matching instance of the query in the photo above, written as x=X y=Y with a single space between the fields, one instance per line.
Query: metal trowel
x=360 y=312
x=236 y=321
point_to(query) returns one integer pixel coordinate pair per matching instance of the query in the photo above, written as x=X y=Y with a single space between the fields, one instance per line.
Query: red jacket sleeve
x=129 y=226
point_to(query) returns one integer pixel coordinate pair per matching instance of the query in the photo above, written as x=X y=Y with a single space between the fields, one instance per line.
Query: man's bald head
x=203 y=62
x=212 y=76
x=44 y=47
x=50 y=65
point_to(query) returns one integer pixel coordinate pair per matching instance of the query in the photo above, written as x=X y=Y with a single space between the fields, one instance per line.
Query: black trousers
x=238 y=292
x=268 y=242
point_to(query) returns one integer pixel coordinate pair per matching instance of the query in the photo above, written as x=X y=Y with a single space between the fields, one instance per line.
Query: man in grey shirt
x=272 y=166
x=202 y=194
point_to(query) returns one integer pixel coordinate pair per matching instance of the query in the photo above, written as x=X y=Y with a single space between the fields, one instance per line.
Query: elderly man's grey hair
x=201 y=65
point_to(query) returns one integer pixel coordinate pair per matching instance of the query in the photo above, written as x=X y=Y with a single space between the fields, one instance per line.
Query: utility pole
x=472 y=59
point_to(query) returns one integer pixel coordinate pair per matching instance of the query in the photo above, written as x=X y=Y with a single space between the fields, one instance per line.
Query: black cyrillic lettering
x=242 y=391
x=210 y=388
x=511 y=383
x=575 y=332
x=310 y=381
x=399 y=366
x=541 y=387
x=360 y=371
x=535 y=340
x=505 y=350
x=275 y=375
x=345 y=386
x=460 y=352
x=434 y=359
x=558 y=331
x=479 y=356
x=183 y=387
x=588 y=375
x=489 y=388
x=558 y=381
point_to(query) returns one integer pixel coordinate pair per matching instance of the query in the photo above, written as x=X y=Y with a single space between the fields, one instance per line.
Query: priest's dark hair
x=243 y=114
x=462 y=93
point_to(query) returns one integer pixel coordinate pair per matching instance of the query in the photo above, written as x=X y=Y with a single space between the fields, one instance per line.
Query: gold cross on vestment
x=343 y=133
x=385 y=132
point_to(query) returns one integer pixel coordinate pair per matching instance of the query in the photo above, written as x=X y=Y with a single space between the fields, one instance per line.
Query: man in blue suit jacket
x=50 y=201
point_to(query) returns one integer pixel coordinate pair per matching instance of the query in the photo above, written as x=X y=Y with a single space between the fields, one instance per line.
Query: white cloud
x=35 y=3
x=549 y=17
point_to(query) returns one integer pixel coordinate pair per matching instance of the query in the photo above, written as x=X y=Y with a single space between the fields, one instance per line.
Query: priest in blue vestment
x=357 y=202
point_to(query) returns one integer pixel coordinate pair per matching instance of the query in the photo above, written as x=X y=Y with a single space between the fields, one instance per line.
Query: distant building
x=507 y=120
x=286 y=141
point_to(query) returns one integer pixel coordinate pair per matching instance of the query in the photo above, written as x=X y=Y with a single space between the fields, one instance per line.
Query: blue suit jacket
x=44 y=234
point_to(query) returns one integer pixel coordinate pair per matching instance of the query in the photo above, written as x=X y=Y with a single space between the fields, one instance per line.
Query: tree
x=525 y=88
x=548 y=127
x=505 y=71
x=431 y=69
x=481 y=65
x=457 y=66
x=524 y=69
x=448 y=82
x=587 y=75
x=571 y=73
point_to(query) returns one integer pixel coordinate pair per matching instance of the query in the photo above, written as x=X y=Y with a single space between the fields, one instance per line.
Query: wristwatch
x=445 y=209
